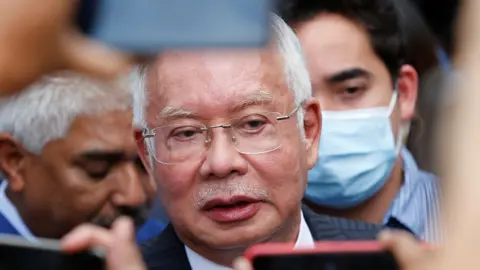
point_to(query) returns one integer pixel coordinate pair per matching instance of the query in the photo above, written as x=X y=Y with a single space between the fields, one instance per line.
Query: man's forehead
x=210 y=66
x=111 y=130
x=334 y=44
x=195 y=77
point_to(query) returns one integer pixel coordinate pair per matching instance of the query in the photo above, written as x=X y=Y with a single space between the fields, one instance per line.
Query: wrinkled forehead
x=196 y=80
x=108 y=131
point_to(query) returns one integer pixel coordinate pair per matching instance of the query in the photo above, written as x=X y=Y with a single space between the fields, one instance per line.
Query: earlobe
x=12 y=160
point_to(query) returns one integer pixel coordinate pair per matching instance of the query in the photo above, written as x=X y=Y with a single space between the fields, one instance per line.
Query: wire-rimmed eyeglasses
x=253 y=134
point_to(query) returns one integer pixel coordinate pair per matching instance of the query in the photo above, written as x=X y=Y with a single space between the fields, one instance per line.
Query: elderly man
x=356 y=56
x=229 y=137
x=68 y=157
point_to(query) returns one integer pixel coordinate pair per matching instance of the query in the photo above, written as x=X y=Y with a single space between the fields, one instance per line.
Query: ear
x=142 y=150
x=12 y=159
x=312 y=123
x=407 y=85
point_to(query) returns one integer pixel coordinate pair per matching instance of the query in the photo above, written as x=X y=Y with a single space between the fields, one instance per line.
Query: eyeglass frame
x=148 y=132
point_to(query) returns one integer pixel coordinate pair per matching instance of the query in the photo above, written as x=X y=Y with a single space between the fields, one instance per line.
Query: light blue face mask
x=356 y=156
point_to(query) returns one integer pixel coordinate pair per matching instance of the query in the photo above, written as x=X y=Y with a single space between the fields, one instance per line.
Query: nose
x=130 y=191
x=221 y=158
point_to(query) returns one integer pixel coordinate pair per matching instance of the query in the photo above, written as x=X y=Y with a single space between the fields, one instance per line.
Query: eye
x=98 y=174
x=185 y=133
x=252 y=124
x=352 y=89
x=96 y=169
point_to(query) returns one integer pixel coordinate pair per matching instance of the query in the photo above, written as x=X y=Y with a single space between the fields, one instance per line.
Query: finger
x=84 y=237
x=92 y=58
x=403 y=245
x=123 y=229
x=241 y=264
x=124 y=253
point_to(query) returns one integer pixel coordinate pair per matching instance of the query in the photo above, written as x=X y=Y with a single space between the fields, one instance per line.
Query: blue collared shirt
x=417 y=205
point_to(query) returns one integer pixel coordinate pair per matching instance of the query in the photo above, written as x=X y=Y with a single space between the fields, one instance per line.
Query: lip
x=217 y=202
x=231 y=209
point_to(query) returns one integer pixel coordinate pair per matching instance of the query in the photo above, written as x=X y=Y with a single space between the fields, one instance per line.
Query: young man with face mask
x=355 y=55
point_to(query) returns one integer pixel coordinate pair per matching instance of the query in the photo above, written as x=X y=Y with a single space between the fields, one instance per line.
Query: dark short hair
x=380 y=18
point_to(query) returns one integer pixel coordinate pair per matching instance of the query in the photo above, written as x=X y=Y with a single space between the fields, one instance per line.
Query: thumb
x=406 y=249
x=87 y=56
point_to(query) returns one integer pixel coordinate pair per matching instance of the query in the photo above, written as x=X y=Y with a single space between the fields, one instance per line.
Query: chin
x=242 y=235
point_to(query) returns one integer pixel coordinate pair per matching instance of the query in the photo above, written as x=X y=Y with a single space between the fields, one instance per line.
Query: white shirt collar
x=11 y=214
x=197 y=262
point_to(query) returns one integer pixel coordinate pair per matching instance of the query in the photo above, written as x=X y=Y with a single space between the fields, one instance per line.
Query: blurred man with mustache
x=229 y=137
x=67 y=157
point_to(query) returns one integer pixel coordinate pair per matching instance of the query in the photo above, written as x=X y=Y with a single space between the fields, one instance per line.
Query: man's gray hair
x=45 y=111
x=294 y=64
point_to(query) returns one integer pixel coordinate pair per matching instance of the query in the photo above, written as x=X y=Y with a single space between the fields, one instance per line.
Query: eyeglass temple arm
x=146 y=133
x=291 y=114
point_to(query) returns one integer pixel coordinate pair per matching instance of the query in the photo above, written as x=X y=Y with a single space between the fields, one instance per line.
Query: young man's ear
x=12 y=159
x=142 y=149
x=408 y=91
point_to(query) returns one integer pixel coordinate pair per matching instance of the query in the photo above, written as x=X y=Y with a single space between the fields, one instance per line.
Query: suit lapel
x=327 y=228
x=165 y=251
x=321 y=226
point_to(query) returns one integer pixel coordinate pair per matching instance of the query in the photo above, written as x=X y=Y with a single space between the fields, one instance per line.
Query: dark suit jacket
x=166 y=251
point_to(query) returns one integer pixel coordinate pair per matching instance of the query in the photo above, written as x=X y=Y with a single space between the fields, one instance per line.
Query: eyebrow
x=260 y=97
x=172 y=112
x=348 y=74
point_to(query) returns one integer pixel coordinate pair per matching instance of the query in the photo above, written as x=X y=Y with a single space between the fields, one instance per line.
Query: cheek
x=176 y=183
x=282 y=172
x=86 y=195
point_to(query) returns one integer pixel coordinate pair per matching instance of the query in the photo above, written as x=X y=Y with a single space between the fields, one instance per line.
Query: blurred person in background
x=440 y=16
x=356 y=57
x=39 y=37
x=424 y=53
x=67 y=157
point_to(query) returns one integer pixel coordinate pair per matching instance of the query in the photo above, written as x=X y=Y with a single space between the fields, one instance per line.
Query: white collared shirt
x=197 y=262
x=9 y=211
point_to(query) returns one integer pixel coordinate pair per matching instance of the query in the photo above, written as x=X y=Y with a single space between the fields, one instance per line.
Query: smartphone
x=17 y=253
x=324 y=256
x=146 y=27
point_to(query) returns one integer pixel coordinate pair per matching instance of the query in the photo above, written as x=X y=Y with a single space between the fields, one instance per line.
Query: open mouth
x=229 y=205
x=231 y=209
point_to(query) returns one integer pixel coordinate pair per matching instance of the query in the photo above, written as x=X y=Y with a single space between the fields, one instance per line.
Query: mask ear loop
x=393 y=102
x=404 y=128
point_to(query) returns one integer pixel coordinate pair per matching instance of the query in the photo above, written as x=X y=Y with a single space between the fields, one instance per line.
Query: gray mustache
x=224 y=189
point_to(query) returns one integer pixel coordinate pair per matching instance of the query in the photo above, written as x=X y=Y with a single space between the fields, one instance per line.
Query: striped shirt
x=417 y=205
